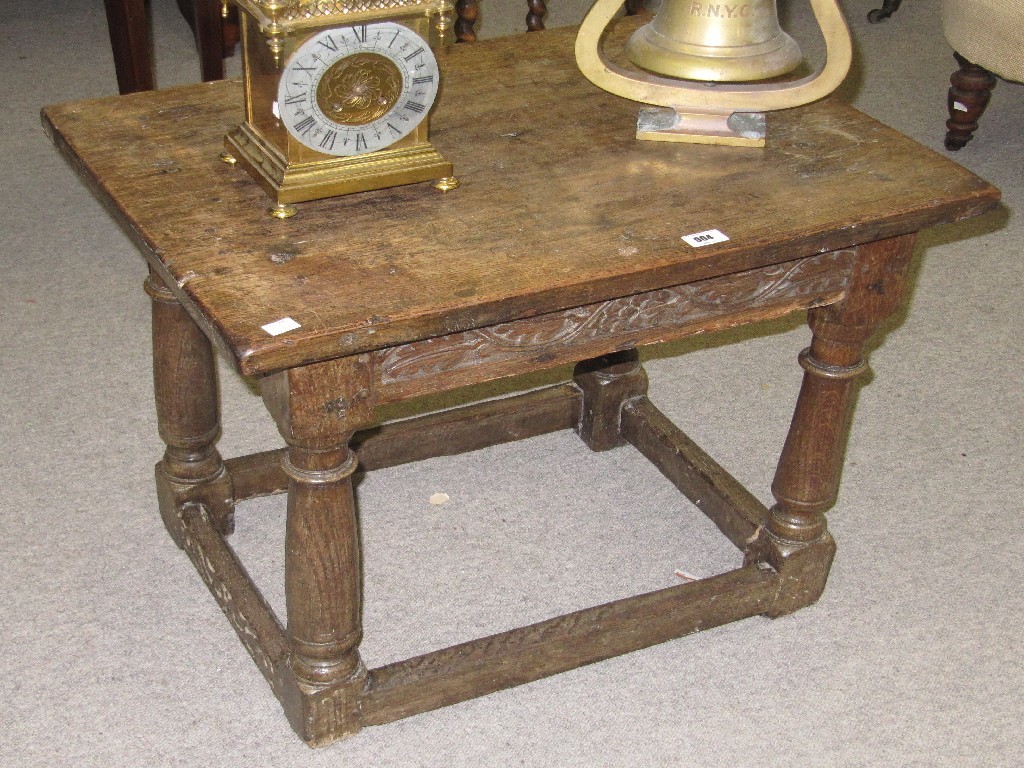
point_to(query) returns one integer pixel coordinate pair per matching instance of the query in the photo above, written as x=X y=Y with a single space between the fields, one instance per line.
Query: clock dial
x=351 y=90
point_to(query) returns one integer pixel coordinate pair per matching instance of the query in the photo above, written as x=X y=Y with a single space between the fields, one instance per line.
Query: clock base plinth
x=289 y=183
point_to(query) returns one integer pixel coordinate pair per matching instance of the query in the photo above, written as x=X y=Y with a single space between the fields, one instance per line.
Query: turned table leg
x=795 y=540
x=323 y=582
x=185 y=385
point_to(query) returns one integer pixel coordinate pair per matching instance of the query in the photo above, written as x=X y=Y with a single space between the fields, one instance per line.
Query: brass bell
x=714 y=41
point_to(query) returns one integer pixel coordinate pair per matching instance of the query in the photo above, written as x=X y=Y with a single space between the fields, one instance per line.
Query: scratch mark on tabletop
x=186 y=278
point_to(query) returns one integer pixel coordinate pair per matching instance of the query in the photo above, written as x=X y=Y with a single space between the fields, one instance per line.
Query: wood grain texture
x=445 y=433
x=607 y=383
x=735 y=510
x=469 y=428
x=188 y=416
x=794 y=539
x=529 y=653
x=559 y=206
x=541 y=342
x=807 y=479
x=473 y=668
x=257 y=474
x=250 y=615
x=317 y=408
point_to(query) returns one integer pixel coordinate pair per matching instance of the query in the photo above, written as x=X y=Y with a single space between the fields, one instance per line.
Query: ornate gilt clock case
x=338 y=96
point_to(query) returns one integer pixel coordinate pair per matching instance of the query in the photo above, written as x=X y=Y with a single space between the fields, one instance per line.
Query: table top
x=560 y=206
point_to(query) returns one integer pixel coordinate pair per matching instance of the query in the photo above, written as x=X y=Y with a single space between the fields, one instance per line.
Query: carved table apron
x=562 y=246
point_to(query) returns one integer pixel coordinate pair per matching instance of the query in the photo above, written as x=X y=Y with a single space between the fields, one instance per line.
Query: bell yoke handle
x=682 y=95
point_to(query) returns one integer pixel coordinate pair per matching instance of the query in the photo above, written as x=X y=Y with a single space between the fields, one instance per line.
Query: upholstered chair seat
x=987 y=37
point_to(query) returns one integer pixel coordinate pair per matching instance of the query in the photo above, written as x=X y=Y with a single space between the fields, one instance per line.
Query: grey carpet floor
x=112 y=653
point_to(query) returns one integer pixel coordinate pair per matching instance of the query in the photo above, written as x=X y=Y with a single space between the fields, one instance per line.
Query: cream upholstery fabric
x=989 y=33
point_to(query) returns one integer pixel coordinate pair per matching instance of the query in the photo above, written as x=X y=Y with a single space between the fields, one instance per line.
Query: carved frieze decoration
x=632 y=318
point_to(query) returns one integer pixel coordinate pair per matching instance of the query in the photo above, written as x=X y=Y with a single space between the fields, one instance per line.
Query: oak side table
x=563 y=244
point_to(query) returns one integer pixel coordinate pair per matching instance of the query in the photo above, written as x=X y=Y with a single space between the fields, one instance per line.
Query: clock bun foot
x=227 y=157
x=283 y=210
x=447 y=184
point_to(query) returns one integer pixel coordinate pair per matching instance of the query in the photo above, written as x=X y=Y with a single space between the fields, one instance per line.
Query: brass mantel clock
x=338 y=96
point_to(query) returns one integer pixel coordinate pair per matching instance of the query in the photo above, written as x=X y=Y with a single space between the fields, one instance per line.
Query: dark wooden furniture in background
x=215 y=27
x=889 y=7
x=969 y=93
x=129 y=38
x=568 y=248
x=217 y=33
x=468 y=11
x=987 y=39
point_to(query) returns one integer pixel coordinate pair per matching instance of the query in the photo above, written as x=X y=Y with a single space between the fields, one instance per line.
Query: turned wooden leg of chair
x=466 y=14
x=129 y=40
x=535 y=17
x=889 y=7
x=795 y=539
x=971 y=89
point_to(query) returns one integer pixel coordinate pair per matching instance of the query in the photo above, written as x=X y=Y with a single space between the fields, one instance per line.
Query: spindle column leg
x=188 y=416
x=535 y=16
x=317 y=409
x=795 y=539
x=466 y=14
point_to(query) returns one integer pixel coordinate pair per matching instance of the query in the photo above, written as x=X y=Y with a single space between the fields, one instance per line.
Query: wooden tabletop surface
x=559 y=206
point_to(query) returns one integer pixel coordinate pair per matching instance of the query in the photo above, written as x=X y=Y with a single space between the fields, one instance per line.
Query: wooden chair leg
x=129 y=40
x=209 y=38
x=889 y=7
x=971 y=88
x=535 y=17
x=206 y=19
x=466 y=13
